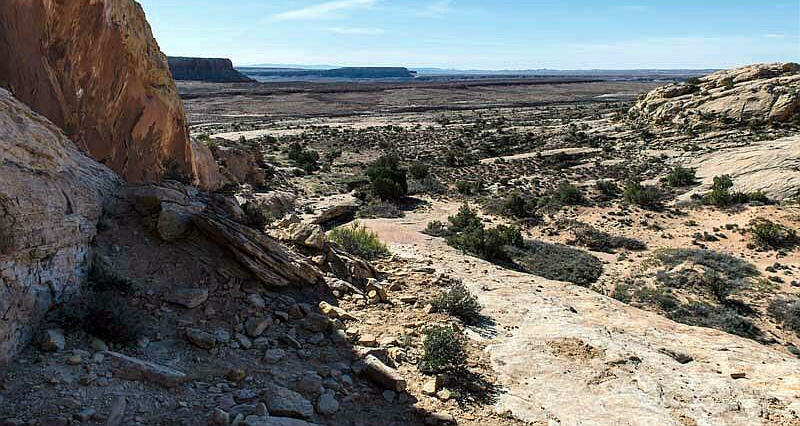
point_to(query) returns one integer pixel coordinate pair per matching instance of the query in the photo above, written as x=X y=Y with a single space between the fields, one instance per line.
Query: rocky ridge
x=755 y=94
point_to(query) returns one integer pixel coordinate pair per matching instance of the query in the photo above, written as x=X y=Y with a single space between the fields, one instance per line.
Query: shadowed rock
x=51 y=198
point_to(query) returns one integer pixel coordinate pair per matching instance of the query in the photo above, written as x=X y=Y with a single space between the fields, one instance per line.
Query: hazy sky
x=482 y=34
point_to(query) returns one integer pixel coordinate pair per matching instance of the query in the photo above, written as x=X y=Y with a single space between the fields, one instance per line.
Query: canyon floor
x=586 y=334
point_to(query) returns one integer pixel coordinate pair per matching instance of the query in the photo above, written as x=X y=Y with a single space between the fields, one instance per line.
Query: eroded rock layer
x=51 y=198
x=217 y=70
x=94 y=69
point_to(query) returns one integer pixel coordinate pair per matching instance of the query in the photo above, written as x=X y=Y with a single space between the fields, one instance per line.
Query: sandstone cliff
x=753 y=94
x=51 y=197
x=216 y=70
x=95 y=70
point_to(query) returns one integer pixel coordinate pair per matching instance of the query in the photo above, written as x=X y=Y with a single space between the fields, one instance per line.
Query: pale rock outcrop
x=241 y=163
x=51 y=198
x=755 y=93
x=771 y=167
x=94 y=69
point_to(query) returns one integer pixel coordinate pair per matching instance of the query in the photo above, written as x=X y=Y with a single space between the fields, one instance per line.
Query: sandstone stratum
x=95 y=70
x=218 y=70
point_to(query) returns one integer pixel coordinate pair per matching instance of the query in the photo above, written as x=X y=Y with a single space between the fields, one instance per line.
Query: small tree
x=419 y=170
x=387 y=179
x=720 y=194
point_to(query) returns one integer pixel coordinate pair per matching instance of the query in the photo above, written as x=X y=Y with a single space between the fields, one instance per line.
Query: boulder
x=173 y=222
x=130 y=368
x=383 y=375
x=205 y=168
x=95 y=70
x=51 y=198
x=53 y=341
x=241 y=163
x=278 y=203
x=287 y=403
x=303 y=235
x=352 y=269
x=337 y=212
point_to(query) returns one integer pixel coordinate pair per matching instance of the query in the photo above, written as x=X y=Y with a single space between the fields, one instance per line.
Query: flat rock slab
x=285 y=421
x=130 y=368
x=188 y=297
x=772 y=167
x=576 y=357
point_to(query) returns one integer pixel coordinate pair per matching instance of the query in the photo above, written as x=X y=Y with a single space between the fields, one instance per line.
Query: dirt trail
x=567 y=355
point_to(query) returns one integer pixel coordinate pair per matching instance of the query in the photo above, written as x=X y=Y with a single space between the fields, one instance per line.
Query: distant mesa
x=215 y=70
x=343 y=73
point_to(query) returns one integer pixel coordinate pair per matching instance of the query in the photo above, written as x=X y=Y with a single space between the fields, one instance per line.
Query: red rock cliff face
x=94 y=69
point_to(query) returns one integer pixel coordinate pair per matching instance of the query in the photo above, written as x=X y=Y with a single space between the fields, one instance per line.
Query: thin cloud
x=323 y=10
x=634 y=8
x=774 y=35
x=356 y=31
x=437 y=9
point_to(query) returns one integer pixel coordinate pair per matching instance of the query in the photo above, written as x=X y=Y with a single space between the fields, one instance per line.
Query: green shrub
x=569 y=194
x=444 y=351
x=608 y=188
x=720 y=194
x=459 y=302
x=680 y=177
x=557 y=262
x=729 y=266
x=724 y=275
x=465 y=218
x=701 y=314
x=489 y=244
x=468 y=233
x=257 y=216
x=436 y=229
x=360 y=241
x=429 y=185
x=305 y=159
x=648 y=197
x=387 y=180
x=786 y=311
x=172 y=170
x=380 y=209
x=772 y=235
x=516 y=206
x=469 y=188
x=419 y=170
x=597 y=240
x=727 y=83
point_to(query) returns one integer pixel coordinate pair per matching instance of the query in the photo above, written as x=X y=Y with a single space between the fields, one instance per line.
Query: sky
x=482 y=34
